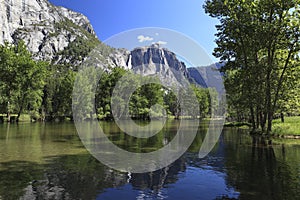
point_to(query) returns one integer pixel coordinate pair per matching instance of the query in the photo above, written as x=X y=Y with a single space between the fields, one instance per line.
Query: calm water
x=48 y=161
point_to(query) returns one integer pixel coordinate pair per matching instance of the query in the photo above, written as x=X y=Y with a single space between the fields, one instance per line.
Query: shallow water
x=48 y=161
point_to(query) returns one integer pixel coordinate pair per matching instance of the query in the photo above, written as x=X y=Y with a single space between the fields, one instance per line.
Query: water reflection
x=235 y=169
x=262 y=172
x=82 y=177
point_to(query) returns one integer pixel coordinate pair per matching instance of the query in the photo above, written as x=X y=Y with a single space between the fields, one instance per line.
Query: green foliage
x=203 y=100
x=84 y=93
x=84 y=42
x=143 y=100
x=172 y=102
x=57 y=98
x=67 y=24
x=79 y=48
x=147 y=100
x=45 y=91
x=22 y=80
x=289 y=101
x=289 y=127
x=104 y=92
x=259 y=41
x=140 y=101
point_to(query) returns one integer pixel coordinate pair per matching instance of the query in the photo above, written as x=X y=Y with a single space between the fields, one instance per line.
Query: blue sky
x=110 y=17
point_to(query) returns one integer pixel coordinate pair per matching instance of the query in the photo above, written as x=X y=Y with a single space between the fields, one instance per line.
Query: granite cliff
x=47 y=30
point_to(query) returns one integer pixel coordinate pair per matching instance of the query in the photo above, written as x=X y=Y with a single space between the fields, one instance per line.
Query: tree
x=104 y=92
x=57 y=98
x=22 y=79
x=83 y=95
x=289 y=101
x=172 y=103
x=144 y=98
x=259 y=40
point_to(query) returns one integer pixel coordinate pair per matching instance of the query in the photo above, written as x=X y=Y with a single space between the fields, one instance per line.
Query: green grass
x=23 y=117
x=291 y=126
x=280 y=141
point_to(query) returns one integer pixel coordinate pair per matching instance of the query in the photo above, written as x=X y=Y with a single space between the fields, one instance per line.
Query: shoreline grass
x=290 y=127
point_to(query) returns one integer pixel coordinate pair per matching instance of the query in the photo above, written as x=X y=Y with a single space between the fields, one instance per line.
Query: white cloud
x=160 y=42
x=156 y=34
x=143 y=38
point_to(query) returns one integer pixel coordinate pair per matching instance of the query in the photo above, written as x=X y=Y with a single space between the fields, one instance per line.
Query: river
x=48 y=161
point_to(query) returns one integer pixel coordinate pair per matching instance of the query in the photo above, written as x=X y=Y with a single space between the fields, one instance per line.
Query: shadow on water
x=64 y=177
x=83 y=177
x=261 y=171
x=75 y=177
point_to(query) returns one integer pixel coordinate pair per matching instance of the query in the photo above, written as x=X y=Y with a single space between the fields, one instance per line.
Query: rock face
x=148 y=61
x=158 y=61
x=156 y=55
x=154 y=60
x=45 y=28
x=208 y=76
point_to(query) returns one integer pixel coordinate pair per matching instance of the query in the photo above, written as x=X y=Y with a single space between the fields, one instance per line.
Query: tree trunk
x=252 y=118
x=263 y=121
x=18 y=117
x=8 y=116
x=268 y=108
x=257 y=118
x=8 y=110
x=20 y=111
x=282 y=117
x=270 y=119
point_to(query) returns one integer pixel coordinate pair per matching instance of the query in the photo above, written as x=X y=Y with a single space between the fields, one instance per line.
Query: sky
x=111 y=17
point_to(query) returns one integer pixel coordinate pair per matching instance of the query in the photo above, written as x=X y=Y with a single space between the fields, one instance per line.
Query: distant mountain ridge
x=201 y=74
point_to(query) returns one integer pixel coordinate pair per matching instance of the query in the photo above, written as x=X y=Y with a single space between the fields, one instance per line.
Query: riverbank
x=238 y=124
x=289 y=129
